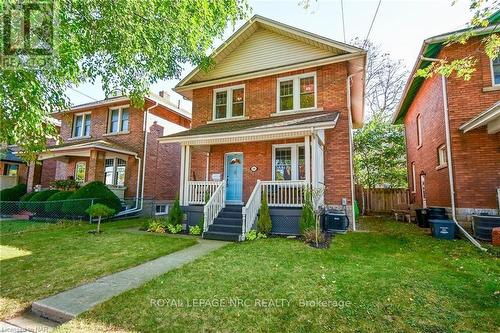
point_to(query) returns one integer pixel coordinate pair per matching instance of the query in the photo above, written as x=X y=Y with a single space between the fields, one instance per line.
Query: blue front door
x=234 y=177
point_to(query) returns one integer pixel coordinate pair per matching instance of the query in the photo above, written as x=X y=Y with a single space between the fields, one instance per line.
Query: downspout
x=449 y=157
x=137 y=208
x=351 y=150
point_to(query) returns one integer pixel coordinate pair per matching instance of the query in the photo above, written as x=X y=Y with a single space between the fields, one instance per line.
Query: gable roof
x=263 y=47
x=430 y=49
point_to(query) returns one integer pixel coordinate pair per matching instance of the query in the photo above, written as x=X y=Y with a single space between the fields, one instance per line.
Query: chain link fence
x=72 y=209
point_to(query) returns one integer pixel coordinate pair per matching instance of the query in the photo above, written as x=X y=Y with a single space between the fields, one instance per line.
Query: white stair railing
x=287 y=193
x=214 y=205
x=251 y=209
x=197 y=190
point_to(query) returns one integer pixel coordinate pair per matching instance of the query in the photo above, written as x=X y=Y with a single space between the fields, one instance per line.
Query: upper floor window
x=114 y=171
x=495 y=71
x=442 y=157
x=81 y=125
x=229 y=102
x=118 y=120
x=419 y=130
x=297 y=92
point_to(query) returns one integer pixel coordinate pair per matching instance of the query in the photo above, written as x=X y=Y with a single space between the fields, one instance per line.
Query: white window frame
x=493 y=84
x=120 y=110
x=442 y=156
x=420 y=139
x=76 y=169
x=296 y=91
x=82 y=130
x=413 y=178
x=229 y=102
x=115 y=166
x=295 y=158
x=165 y=212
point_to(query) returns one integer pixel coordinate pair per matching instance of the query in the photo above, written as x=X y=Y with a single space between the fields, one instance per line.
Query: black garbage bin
x=422 y=220
x=436 y=213
x=443 y=229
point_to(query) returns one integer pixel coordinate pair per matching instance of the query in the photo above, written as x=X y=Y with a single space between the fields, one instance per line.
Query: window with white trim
x=413 y=178
x=161 y=210
x=297 y=92
x=114 y=171
x=419 y=130
x=442 y=157
x=81 y=125
x=289 y=162
x=11 y=169
x=495 y=71
x=80 y=171
x=229 y=102
x=118 y=119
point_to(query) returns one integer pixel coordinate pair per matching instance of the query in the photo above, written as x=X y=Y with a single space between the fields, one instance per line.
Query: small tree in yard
x=264 y=224
x=100 y=211
x=175 y=213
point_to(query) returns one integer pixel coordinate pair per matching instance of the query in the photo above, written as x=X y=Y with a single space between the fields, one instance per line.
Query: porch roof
x=76 y=148
x=248 y=129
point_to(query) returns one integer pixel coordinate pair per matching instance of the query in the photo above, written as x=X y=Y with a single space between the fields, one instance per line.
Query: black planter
x=483 y=226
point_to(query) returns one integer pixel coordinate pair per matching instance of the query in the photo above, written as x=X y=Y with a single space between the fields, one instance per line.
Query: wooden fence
x=381 y=200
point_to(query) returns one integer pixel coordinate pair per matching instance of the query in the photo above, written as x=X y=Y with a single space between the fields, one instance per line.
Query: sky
x=399 y=28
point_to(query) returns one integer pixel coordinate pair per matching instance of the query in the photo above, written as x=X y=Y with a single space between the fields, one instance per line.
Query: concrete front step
x=228 y=221
x=219 y=235
x=231 y=214
x=233 y=208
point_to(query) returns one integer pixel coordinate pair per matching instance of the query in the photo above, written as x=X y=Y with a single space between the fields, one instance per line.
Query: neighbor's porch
x=87 y=162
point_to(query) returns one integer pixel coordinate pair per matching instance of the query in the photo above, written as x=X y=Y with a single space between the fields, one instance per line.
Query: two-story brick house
x=113 y=142
x=474 y=129
x=272 y=116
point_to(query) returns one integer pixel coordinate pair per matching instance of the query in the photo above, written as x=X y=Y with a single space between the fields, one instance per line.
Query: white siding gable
x=265 y=49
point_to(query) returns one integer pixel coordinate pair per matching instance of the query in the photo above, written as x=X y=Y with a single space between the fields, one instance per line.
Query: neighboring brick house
x=278 y=106
x=105 y=140
x=474 y=124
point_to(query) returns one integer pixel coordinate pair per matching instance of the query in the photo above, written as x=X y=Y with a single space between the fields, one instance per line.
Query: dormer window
x=229 y=102
x=118 y=120
x=297 y=92
x=81 y=125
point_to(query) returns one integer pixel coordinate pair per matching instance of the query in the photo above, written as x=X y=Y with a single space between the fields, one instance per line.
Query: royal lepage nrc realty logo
x=29 y=34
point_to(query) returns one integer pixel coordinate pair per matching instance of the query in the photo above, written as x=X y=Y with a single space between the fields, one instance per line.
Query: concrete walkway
x=68 y=304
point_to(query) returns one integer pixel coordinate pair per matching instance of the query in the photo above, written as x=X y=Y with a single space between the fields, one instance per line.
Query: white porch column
x=314 y=178
x=187 y=170
x=181 y=183
x=307 y=147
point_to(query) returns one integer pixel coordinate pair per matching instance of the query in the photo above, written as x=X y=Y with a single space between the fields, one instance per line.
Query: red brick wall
x=161 y=180
x=476 y=154
x=260 y=102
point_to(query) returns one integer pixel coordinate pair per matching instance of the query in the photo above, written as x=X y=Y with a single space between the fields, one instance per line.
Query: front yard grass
x=395 y=278
x=39 y=260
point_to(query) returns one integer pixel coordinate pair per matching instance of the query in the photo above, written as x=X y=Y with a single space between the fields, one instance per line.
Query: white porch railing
x=288 y=193
x=278 y=193
x=198 y=191
x=251 y=209
x=214 y=205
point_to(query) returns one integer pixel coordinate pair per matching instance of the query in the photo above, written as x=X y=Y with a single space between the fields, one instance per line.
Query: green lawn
x=39 y=260
x=394 y=278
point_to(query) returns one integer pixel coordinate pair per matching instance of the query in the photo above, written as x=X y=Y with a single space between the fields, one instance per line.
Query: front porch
x=86 y=162
x=224 y=176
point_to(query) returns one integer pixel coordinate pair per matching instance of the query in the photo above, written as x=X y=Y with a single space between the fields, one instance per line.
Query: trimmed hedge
x=35 y=203
x=94 y=190
x=54 y=202
x=23 y=204
x=13 y=193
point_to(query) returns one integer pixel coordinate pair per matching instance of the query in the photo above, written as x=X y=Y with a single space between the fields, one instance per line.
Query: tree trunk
x=99 y=225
